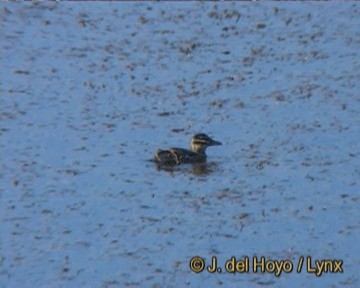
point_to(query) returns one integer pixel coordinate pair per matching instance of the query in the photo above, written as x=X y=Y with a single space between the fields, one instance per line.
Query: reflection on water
x=198 y=169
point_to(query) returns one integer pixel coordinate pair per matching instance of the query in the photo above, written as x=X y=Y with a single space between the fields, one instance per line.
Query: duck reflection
x=198 y=169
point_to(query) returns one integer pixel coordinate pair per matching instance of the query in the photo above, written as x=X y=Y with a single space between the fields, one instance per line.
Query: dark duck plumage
x=196 y=154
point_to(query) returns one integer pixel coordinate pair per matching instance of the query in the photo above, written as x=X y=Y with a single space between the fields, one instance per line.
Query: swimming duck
x=196 y=154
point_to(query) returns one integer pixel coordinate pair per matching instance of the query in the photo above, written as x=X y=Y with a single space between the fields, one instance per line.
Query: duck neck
x=200 y=149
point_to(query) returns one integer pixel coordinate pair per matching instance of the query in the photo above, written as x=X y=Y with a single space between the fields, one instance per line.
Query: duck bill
x=215 y=143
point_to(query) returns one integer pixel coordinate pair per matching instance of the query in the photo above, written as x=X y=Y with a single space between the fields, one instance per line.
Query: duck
x=197 y=153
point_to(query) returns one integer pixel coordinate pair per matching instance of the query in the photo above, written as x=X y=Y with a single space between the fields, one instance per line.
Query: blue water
x=89 y=91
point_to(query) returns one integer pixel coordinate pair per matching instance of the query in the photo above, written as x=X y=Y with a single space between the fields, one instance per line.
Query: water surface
x=90 y=91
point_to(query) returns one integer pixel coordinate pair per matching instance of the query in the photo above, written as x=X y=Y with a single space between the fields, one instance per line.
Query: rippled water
x=90 y=91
